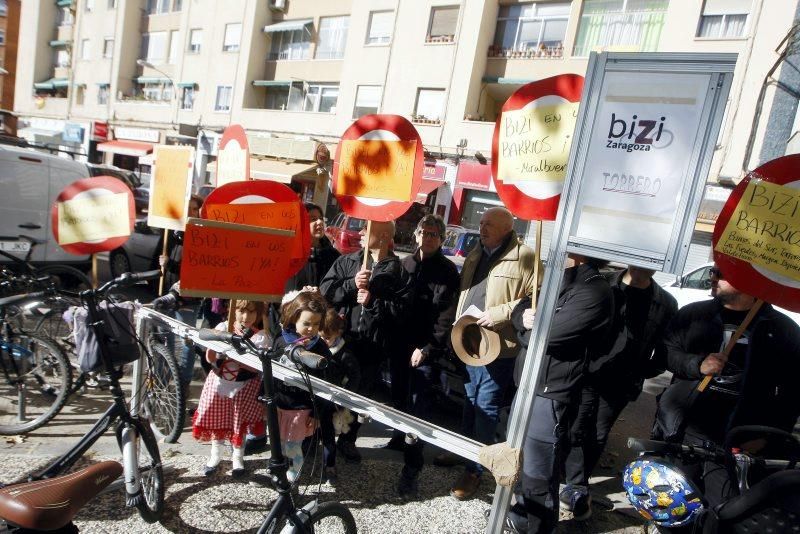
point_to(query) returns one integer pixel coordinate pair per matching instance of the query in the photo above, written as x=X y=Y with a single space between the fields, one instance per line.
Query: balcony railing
x=421 y=119
x=440 y=39
x=541 y=52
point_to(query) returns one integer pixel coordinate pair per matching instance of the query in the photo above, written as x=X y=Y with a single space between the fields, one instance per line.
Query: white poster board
x=647 y=144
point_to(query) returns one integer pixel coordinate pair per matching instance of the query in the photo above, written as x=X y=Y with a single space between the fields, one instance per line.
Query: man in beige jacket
x=495 y=276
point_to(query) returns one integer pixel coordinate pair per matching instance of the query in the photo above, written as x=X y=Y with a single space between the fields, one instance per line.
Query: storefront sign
x=531 y=145
x=377 y=170
x=136 y=134
x=474 y=175
x=757 y=236
x=233 y=158
x=73 y=133
x=431 y=171
x=100 y=131
x=170 y=187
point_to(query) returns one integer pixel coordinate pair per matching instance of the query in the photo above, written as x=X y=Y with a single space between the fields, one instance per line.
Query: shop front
x=128 y=146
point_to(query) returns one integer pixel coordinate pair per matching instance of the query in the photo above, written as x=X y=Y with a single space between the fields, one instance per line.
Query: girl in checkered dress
x=229 y=404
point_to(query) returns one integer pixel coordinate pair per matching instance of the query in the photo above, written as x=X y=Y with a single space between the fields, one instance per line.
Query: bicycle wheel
x=152 y=477
x=35 y=379
x=65 y=277
x=332 y=517
x=163 y=399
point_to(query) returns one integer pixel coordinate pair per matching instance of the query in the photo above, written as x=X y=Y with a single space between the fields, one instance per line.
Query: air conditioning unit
x=277 y=5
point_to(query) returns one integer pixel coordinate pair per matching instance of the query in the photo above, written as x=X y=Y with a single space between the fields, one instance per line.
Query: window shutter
x=443 y=21
x=727 y=7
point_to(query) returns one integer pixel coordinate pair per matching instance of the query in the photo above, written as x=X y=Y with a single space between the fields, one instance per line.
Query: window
x=86 y=51
x=65 y=17
x=379 y=30
x=332 y=37
x=233 y=34
x=156 y=91
x=368 y=98
x=108 y=47
x=699 y=279
x=195 y=40
x=2 y=37
x=442 y=26
x=62 y=58
x=187 y=98
x=620 y=25
x=523 y=27
x=80 y=94
x=321 y=98
x=291 y=45
x=154 y=47
x=223 y=101
x=89 y=5
x=430 y=103
x=174 y=46
x=112 y=4
x=102 y=95
x=178 y=5
x=155 y=7
x=3 y=8
x=724 y=19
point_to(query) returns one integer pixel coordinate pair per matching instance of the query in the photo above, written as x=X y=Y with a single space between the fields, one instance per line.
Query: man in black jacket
x=582 y=321
x=643 y=311
x=372 y=301
x=755 y=385
x=433 y=285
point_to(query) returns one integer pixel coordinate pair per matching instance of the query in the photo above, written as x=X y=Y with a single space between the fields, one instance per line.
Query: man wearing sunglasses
x=755 y=385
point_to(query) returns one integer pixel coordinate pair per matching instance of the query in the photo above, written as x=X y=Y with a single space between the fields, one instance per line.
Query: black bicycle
x=142 y=471
x=284 y=515
x=63 y=276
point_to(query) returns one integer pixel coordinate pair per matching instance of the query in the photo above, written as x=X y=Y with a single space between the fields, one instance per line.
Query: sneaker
x=580 y=503
x=349 y=451
x=447 y=459
x=255 y=445
x=565 y=498
x=329 y=476
x=407 y=485
x=466 y=486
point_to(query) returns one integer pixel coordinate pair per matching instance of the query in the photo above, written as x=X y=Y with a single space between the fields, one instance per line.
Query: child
x=345 y=372
x=301 y=320
x=229 y=402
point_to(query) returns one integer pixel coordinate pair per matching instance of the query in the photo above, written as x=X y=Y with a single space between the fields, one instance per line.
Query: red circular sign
x=753 y=279
x=379 y=128
x=535 y=200
x=264 y=191
x=87 y=188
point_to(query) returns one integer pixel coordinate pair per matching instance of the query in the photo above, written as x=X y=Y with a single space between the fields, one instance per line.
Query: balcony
x=64 y=32
x=541 y=52
x=61 y=71
x=440 y=39
x=422 y=119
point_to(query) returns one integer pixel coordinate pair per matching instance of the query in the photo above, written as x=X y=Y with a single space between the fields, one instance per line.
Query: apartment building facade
x=111 y=78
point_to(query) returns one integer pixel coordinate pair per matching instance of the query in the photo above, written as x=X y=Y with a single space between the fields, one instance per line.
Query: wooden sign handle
x=366 y=245
x=537 y=250
x=95 y=280
x=164 y=268
x=732 y=342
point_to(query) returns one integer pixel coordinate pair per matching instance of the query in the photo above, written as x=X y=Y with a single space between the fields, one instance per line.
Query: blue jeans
x=485 y=389
x=188 y=355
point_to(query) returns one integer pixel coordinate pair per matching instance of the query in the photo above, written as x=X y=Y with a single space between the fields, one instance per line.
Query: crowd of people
x=611 y=330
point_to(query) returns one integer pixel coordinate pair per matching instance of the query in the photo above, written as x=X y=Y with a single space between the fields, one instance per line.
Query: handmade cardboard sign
x=234 y=261
x=377 y=170
x=757 y=236
x=263 y=203
x=233 y=157
x=531 y=145
x=170 y=187
x=93 y=215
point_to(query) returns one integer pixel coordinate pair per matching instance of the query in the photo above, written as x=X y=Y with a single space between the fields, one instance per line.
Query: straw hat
x=473 y=344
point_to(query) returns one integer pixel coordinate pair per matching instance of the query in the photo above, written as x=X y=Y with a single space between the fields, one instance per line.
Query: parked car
x=696 y=285
x=129 y=177
x=140 y=252
x=458 y=242
x=344 y=233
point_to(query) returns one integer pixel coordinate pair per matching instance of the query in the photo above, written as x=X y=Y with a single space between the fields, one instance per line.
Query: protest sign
x=170 y=187
x=266 y=204
x=235 y=261
x=233 y=157
x=377 y=170
x=93 y=215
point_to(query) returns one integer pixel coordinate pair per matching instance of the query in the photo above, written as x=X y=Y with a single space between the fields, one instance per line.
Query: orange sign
x=282 y=215
x=377 y=169
x=235 y=261
x=170 y=187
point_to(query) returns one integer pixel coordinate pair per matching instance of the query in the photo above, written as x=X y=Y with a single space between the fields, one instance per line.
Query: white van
x=30 y=181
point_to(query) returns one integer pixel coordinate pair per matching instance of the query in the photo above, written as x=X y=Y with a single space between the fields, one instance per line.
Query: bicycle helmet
x=661 y=493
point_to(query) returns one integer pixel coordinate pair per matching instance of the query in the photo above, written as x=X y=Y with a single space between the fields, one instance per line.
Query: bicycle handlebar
x=127 y=280
x=709 y=452
x=295 y=353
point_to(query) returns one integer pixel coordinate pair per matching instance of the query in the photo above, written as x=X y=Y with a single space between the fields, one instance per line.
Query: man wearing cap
x=756 y=384
x=495 y=276
x=581 y=325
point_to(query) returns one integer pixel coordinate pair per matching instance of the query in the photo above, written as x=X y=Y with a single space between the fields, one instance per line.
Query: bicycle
x=141 y=465
x=63 y=276
x=284 y=516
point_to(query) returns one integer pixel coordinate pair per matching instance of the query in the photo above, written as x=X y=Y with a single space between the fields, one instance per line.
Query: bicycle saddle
x=52 y=503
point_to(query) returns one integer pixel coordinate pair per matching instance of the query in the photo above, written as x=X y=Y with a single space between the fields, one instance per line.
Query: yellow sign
x=377 y=169
x=534 y=143
x=170 y=187
x=95 y=218
x=764 y=229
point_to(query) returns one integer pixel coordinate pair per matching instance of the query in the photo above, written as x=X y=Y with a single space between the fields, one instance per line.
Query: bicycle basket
x=120 y=334
x=661 y=493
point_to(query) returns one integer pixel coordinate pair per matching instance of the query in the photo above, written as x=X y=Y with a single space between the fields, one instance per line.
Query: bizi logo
x=639 y=134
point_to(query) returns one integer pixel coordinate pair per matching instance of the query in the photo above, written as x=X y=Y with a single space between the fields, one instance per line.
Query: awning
x=506 y=81
x=427 y=187
x=58 y=43
x=270 y=83
x=151 y=79
x=64 y=3
x=103 y=84
x=288 y=25
x=52 y=83
x=126 y=148
x=186 y=84
x=270 y=169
